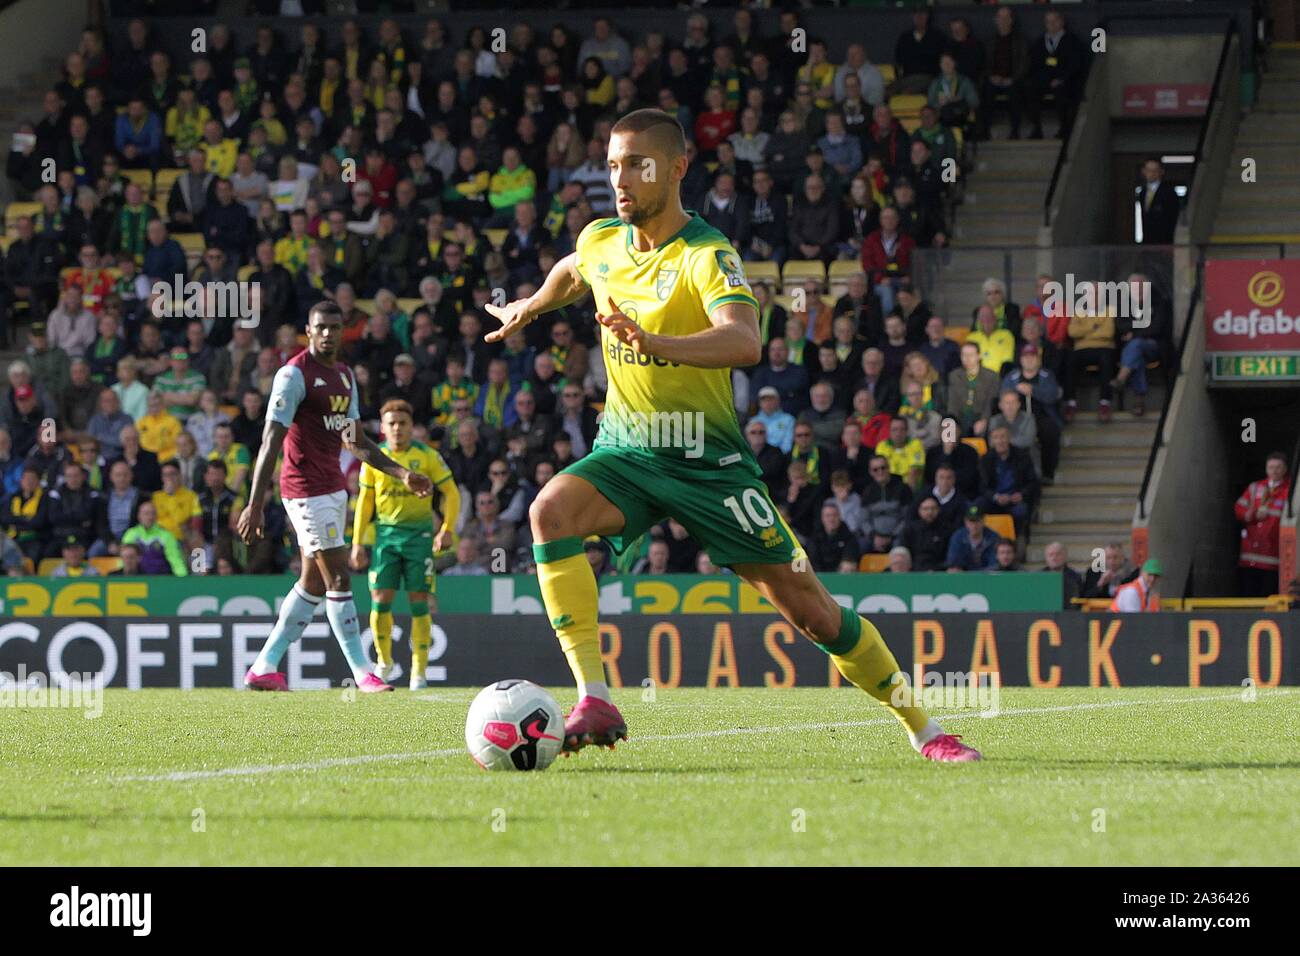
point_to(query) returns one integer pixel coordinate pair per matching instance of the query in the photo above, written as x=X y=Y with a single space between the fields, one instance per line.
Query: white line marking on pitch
x=180 y=776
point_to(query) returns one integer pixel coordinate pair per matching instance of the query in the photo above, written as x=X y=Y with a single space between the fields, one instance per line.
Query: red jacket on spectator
x=1259 y=539
x=383 y=183
x=877 y=264
x=712 y=128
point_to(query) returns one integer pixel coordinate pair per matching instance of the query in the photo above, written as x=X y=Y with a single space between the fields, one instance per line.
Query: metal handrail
x=1171 y=380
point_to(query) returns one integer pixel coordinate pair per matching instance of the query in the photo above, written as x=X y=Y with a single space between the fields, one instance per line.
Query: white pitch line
x=180 y=776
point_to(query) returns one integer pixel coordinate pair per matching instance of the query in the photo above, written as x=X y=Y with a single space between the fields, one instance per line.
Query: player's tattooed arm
x=368 y=452
x=250 y=519
x=732 y=342
x=563 y=285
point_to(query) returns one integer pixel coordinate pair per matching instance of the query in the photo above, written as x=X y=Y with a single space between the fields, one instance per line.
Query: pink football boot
x=370 y=684
x=272 y=681
x=593 y=722
x=948 y=748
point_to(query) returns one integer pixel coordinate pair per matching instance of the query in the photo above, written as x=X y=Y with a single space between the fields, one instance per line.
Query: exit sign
x=1261 y=367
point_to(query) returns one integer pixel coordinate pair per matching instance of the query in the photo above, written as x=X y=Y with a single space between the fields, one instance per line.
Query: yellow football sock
x=572 y=603
x=381 y=626
x=861 y=655
x=421 y=624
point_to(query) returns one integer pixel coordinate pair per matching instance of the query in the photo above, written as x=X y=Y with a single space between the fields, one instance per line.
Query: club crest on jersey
x=664 y=281
x=318 y=383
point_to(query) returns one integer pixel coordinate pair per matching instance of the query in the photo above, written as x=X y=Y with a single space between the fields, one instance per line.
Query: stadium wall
x=1220 y=139
x=1081 y=203
x=35 y=30
x=1227 y=649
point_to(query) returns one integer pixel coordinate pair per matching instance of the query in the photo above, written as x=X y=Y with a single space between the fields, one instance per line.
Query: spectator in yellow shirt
x=178 y=506
x=997 y=346
x=819 y=73
x=234 y=455
x=906 y=456
x=220 y=152
x=158 y=429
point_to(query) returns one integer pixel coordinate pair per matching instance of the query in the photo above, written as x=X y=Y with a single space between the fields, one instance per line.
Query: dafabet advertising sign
x=1252 y=315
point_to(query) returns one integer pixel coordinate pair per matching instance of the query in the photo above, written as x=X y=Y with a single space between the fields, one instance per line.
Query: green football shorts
x=727 y=510
x=402 y=559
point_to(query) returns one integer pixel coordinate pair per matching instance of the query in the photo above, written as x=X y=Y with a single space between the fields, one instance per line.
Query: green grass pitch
x=1158 y=776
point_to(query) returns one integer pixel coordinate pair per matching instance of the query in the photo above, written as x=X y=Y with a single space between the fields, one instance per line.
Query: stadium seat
x=106 y=564
x=873 y=563
x=366 y=305
x=979 y=444
x=957 y=333
x=191 y=242
x=28 y=567
x=886 y=72
x=798 y=270
x=495 y=236
x=784 y=301
x=907 y=105
x=764 y=272
x=1004 y=525
x=245 y=271
x=843 y=269
x=47 y=566
x=142 y=178
x=163 y=182
x=230 y=411
x=5 y=241
x=16 y=210
x=910 y=124
x=409 y=305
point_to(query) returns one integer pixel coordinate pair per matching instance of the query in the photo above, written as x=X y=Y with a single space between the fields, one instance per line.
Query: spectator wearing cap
x=973 y=547
x=833 y=546
x=790 y=381
x=26 y=514
x=1142 y=594
x=1260 y=510
x=407 y=386
x=1057 y=562
x=925 y=537
x=180 y=386
x=74 y=563
x=1041 y=393
x=23 y=414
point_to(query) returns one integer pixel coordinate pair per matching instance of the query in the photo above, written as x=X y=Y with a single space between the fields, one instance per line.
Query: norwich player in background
x=404 y=539
x=678 y=316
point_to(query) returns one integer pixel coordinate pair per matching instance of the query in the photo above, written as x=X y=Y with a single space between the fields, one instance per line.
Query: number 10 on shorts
x=757 y=509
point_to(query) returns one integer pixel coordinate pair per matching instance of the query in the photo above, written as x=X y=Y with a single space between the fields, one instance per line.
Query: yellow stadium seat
x=886 y=72
x=764 y=272
x=910 y=124
x=495 y=236
x=191 y=242
x=873 y=563
x=798 y=270
x=16 y=210
x=245 y=271
x=163 y=182
x=842 y=270
x=784 y=301
x=230 y=411
x=409 y=305
x=5 y=241
x=366 y=305
x=829 y=299
x=979 y=444
x=957 y=333
x=141 y=177
x=907 y=104
x=47 y=566
x=1004 y=525
x=106 y=564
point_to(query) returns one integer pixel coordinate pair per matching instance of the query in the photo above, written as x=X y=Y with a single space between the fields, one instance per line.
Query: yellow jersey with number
x=673 y=414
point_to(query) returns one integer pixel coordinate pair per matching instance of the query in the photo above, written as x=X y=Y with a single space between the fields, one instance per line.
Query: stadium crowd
x=412 y=179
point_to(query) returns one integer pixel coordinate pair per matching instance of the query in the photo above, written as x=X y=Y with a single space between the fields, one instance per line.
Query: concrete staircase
x=1270 y=135
x=1097 y=482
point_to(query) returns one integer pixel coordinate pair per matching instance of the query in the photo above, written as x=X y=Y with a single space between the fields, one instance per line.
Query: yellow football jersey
x=395 y=505
x=676 y=414
x=176 y=510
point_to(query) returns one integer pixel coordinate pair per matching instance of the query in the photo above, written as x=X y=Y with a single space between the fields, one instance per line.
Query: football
x=514 y=725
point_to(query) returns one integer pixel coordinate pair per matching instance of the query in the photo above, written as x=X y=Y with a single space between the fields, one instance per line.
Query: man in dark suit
x=1159 y=205
x=1057 y=66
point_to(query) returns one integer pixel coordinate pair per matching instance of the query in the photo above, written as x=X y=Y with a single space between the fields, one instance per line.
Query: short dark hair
x=665 y=129
x=325 y=308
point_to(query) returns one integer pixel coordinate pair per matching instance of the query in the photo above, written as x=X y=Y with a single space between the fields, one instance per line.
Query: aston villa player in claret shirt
x=312 y=414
